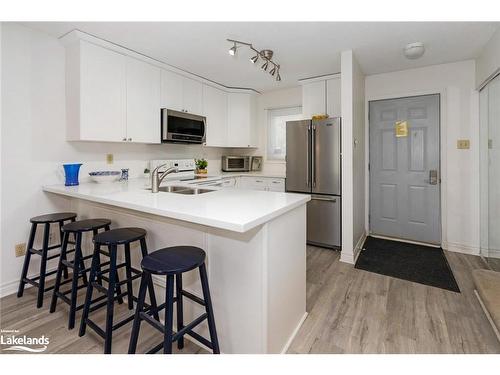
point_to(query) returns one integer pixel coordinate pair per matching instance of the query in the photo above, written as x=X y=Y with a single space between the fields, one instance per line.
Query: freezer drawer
x=323 y=221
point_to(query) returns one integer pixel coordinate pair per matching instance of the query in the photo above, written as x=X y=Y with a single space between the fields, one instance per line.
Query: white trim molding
x=460 y=248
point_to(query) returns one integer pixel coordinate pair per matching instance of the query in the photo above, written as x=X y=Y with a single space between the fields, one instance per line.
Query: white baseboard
x=11 y=287
x=459 y=248
x=351 y=258
x=294 y=333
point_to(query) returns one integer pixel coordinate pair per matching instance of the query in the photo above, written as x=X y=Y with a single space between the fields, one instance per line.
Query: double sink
x=184 y=190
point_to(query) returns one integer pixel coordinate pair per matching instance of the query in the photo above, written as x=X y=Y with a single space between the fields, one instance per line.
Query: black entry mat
x=421 y=264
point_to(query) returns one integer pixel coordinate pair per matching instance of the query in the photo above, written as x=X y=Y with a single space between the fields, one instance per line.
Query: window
x=276 y=130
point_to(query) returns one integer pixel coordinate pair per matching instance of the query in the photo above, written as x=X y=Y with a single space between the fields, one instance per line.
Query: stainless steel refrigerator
x=313 y=167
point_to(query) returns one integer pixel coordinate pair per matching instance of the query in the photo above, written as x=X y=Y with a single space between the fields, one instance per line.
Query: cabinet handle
x=129 y=139
x=259 y=181
x=124 y=139
x=276 y=182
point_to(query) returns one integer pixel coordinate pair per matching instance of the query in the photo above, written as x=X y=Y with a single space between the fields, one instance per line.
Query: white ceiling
x=304 y=49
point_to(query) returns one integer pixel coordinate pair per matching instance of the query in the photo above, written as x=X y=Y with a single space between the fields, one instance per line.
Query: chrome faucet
x=157 y=177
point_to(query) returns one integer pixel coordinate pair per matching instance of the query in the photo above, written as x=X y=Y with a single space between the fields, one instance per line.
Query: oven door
x=182 y=127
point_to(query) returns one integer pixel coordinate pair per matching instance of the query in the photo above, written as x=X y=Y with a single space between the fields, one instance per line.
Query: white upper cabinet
x=143 y=102
x=171 y=90
x=333 y=97
x=314 y=99
x=215 y=110
x=96 y=94
x=321 y=97
x=242 y=131
x=180 y=93
x=192 y=96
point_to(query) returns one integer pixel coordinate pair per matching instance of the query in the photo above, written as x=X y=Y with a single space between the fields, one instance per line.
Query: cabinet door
x=192 y=96
x=276 y=184
x=238 y=123
x=314 y=99
x=333 y=97
x=102 y=94
x=171 y=90
x=215 y=110
x=143 y=102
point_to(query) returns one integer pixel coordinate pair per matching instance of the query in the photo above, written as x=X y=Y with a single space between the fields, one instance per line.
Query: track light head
x=254 y=59
x=232 y=50
x=273 y=71
x=278 y=77
x=265 y=65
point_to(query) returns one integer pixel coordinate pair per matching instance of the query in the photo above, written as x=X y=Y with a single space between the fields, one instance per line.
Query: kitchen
x=270 y=183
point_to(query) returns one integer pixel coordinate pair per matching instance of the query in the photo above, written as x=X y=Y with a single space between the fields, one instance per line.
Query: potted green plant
x=201 y=166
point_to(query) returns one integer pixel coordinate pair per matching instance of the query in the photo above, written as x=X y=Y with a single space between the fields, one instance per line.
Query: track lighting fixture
x=266 y=55
x=232 y=50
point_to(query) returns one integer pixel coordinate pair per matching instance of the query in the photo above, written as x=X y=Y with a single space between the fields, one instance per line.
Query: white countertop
x=237 y=210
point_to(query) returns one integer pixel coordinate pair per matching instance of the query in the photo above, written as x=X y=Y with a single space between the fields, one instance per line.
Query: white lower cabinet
x=262 y=183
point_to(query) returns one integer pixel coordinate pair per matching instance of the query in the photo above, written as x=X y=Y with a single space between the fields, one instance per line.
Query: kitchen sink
x=183 y=190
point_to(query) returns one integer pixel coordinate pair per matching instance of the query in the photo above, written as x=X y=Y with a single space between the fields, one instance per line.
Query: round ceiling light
x=414 y=50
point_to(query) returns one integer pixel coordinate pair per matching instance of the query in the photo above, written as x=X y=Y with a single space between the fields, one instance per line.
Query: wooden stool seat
x=120 y=236
x=53 y=218
x=173 y=260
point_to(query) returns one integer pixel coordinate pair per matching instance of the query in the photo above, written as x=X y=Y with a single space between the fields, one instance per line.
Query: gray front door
x=404 y=169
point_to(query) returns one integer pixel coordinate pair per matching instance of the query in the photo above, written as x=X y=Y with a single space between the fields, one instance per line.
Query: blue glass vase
x=71 y=172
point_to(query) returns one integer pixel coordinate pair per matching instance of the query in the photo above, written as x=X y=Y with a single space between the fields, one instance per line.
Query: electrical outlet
x=20 y=249
x=109 y=158
x=463 y=144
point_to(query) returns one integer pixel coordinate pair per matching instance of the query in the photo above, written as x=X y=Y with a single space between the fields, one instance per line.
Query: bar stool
x=111 y=239
x=170 y=262
x=77 y=228
x=45 y=220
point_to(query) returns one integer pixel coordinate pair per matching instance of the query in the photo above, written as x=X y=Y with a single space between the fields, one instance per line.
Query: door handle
x=308 y=172
x=313 y=155
x=333 y=200
x=433 y=177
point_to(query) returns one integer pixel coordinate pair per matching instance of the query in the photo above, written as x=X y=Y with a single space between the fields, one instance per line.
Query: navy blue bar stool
x=77 y=229
x=39 y=281
x=170 y=262
x=112 y=239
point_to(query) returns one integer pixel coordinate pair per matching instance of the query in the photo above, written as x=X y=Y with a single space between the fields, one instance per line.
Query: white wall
x=290 y=97
x=33 y=142
x=459 y=120
x=353 y=157
x=489 y=60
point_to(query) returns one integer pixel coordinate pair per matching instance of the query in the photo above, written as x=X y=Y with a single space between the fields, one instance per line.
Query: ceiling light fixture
x=266 y=55
x=232 y=50
x=415 y=50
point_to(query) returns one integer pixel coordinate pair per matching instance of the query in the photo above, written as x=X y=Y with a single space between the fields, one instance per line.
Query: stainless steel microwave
x=182 y=127
x=236 y=163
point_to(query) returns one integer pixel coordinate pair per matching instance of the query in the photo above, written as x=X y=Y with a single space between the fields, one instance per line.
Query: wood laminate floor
x=350 y=311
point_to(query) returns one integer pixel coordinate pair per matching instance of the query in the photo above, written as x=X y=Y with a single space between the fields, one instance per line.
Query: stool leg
x=60 y=267
x=43 y=265
x=128 y=273
x=74 y=281
x=61 y=237
x=134 y=336
x=151 y=288
x=108 y=334
x=169 y=315
x=209 y=309
x=90 y=288
x=180 y=314
x=95 y=232
x=27 y=258
x=117 y=278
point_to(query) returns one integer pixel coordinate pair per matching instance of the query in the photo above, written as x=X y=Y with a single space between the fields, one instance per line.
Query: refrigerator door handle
x=333 y=200
x=308 y=172
x=313 y=156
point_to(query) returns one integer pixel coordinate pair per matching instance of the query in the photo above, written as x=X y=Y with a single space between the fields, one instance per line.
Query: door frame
x=442 y=154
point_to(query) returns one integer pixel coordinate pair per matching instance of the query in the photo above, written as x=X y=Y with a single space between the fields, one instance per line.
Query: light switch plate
x=109 y=158
x=463 y=144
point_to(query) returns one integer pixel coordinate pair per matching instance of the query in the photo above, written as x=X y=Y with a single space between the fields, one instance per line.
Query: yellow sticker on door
x=401 y=128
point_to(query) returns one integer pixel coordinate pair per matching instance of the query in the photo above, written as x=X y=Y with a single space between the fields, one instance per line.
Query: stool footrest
x=192 y=297
x=102 y=304
x=152 y=321
x=189 y=327
x=200 y=338
x=101 y=332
